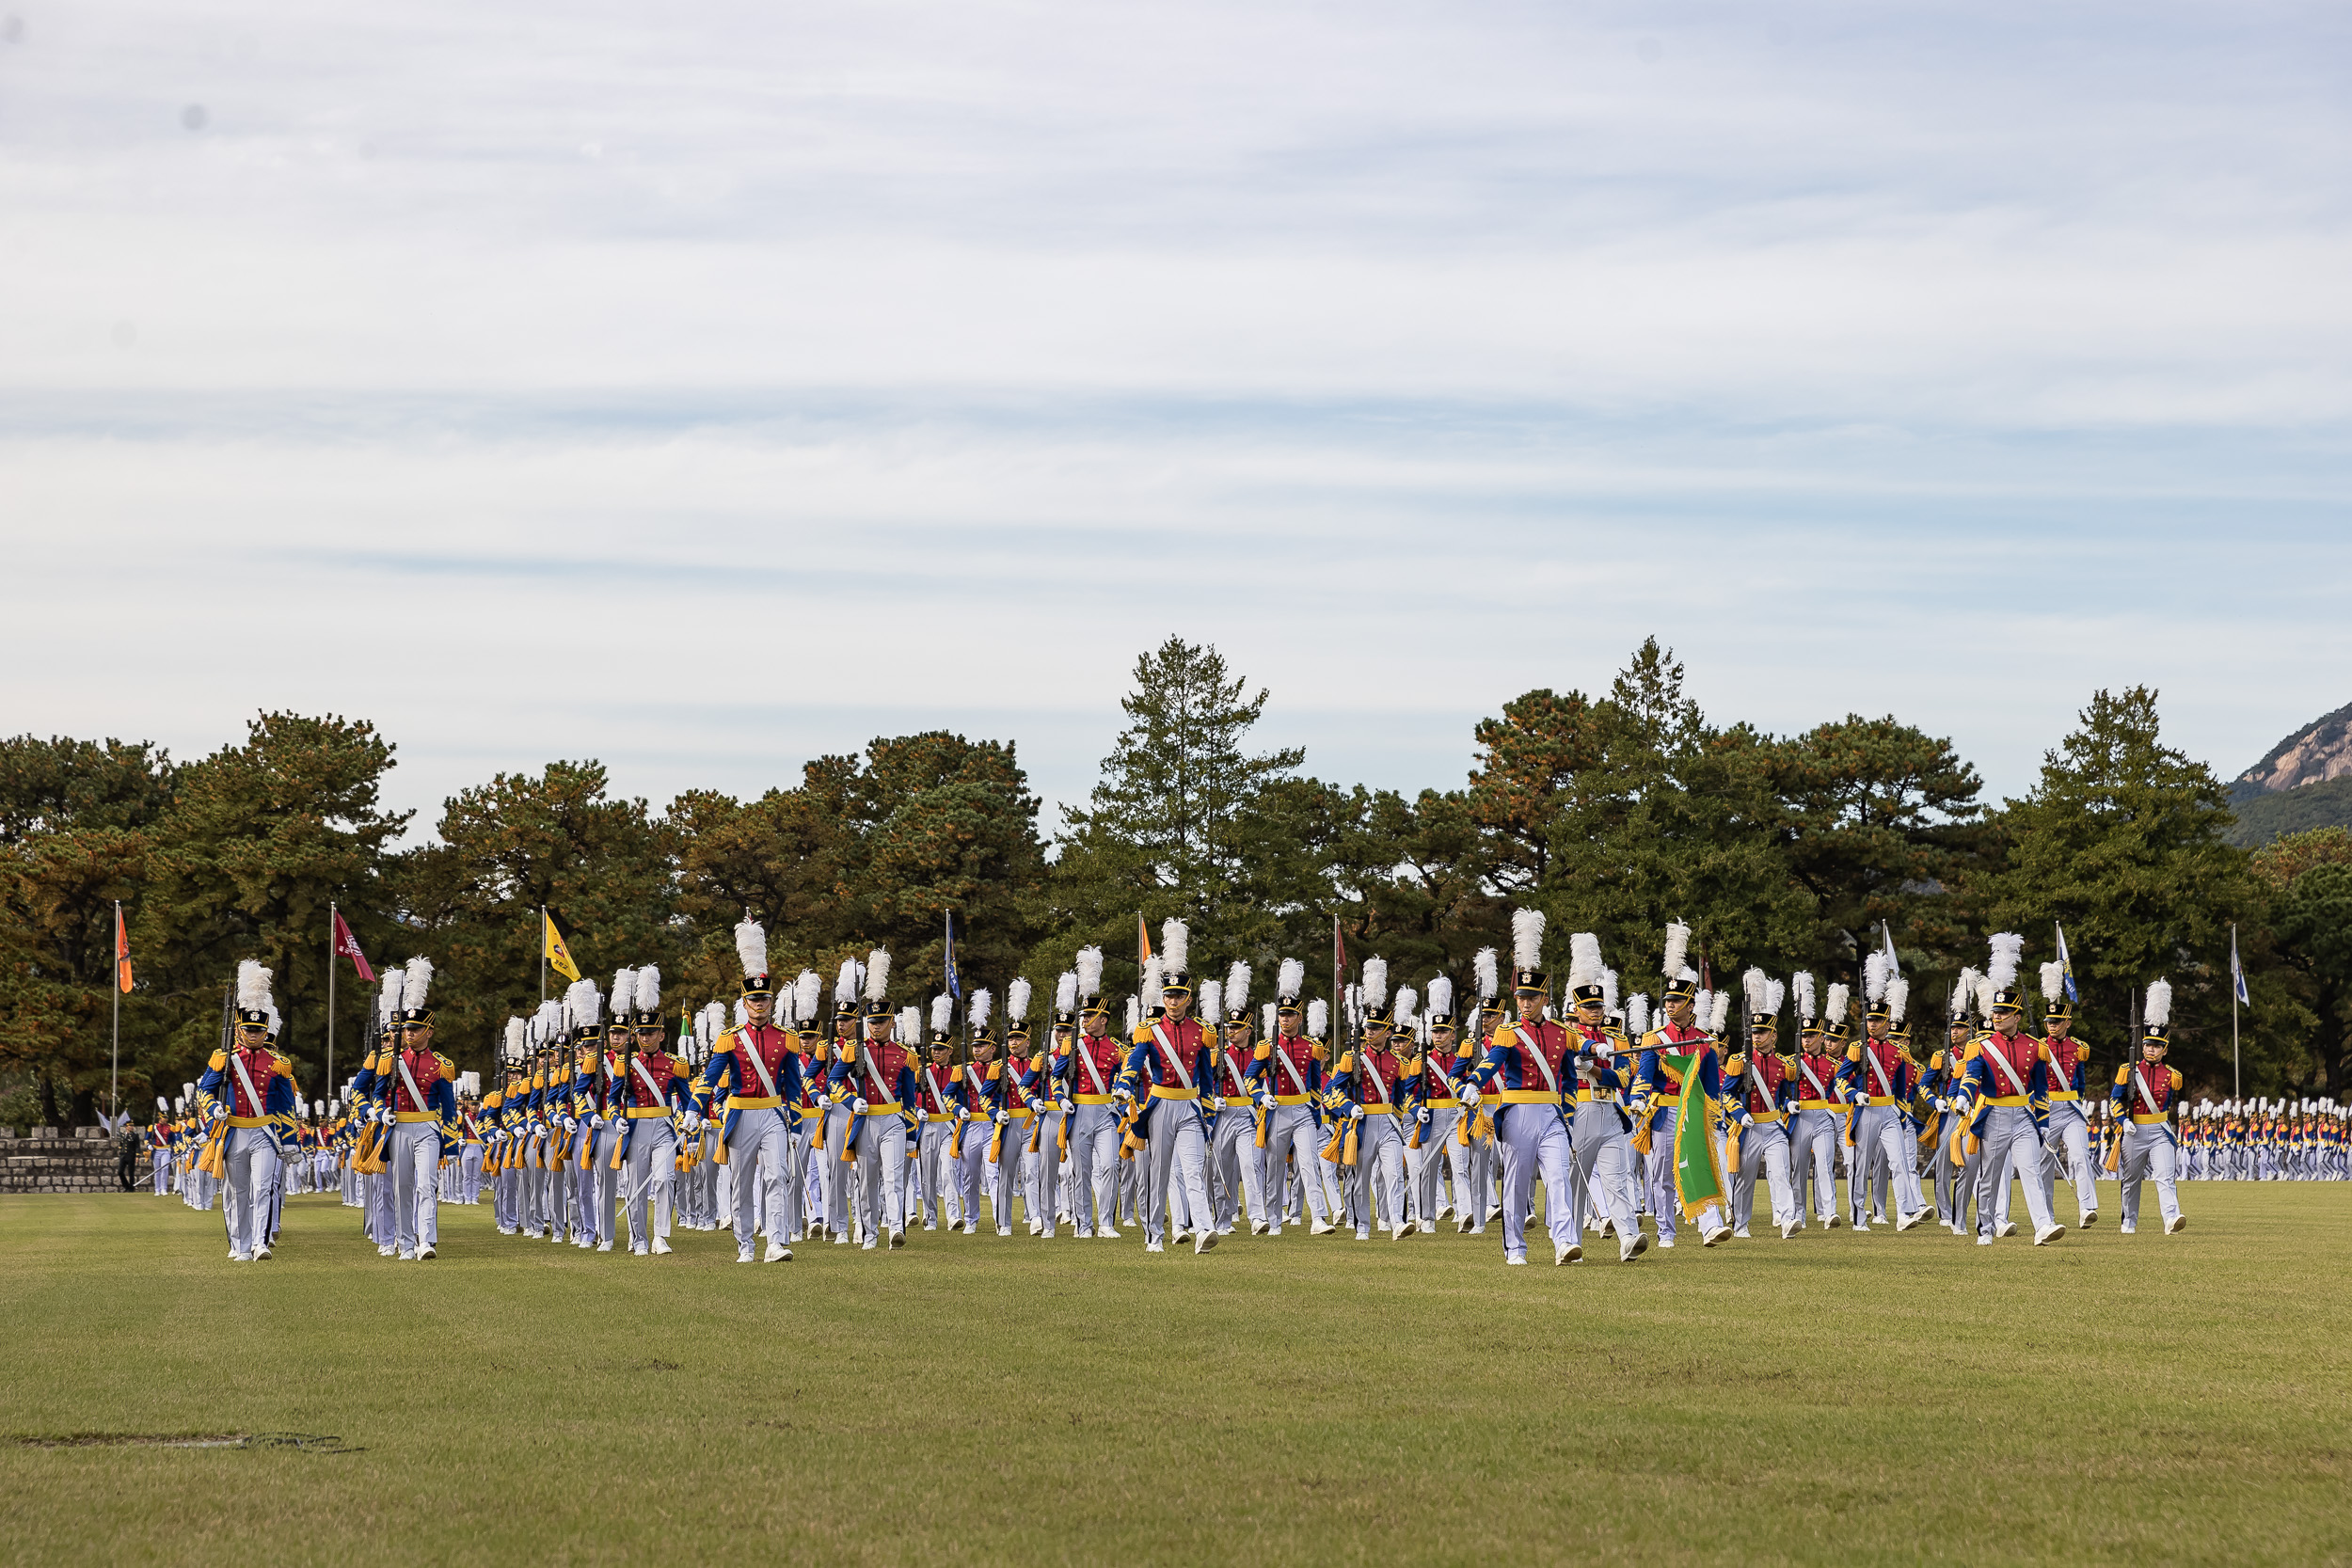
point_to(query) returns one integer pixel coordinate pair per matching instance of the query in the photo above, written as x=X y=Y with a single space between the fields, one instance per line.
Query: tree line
x=1612 y=812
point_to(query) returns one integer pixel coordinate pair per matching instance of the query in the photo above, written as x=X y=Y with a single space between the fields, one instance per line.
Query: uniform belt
x=1879 y=1100
x=2064 y=1094
x=1526 y=1097
x=1818 y=1105
x=1161 y=1091
x=754 y=1101
x=2016 y=1101
x=397 y=1116
x=1764 y=1115
x=1094 y=1100
x=1019 y=1112
x=1293 y=1100
x=644 y=1112
x=887 y=1107
x=1441 y=1102
x=264 y=1121
x=1380 y=1110
x=1595 y=1096
x=2141 y=1119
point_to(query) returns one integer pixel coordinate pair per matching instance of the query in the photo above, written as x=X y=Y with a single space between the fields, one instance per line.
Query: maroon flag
x=347 y=946
x=1339 y=951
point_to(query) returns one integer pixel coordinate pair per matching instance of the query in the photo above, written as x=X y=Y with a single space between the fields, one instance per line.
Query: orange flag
x=122 y=952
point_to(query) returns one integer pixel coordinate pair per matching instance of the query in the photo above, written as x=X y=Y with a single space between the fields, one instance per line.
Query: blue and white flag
x=2237 y=972
x=955 y=987
x=2066 y=964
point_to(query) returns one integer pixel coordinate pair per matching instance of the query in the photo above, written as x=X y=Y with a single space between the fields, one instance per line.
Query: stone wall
x=45 y=1162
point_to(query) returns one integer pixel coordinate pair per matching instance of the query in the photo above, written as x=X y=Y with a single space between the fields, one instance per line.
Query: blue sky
x=705 y=387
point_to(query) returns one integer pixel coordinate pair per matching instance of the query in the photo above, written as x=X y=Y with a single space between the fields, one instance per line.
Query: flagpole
x=113 y=1066
x=330 y=994
x=543 y=952
x=2236 y=981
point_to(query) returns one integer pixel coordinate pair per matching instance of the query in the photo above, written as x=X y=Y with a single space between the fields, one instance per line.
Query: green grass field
x=975 y=1399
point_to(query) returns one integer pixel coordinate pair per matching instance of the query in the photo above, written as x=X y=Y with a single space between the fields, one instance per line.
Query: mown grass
x=1833 y=1398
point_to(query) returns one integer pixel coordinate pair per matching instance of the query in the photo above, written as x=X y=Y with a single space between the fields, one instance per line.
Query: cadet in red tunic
x=1530 y=1065
x=1161 y=1078
x=1287 y=1081
x=654 y=1086
x=2007 y=1081
x=2146 y=1091
x=249 y=1102
x=1372 y=1088
x=2066 y=1138
x=935 y=1121
x=755 y=1066
x=1818 y=1119
x=1875 y=1082
x=1096 y=1060
x=879 y=1083
x=1235 y=1155
x=1761 y=1091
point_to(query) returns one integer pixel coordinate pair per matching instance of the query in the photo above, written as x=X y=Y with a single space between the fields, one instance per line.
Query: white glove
x=1469 y=1095
x=1746 y=1119
x=1217 y=1104
x=1354 y=1113
x=1123 y=1093
x=1265 y=1100
x=921 y=1116
x=1422 y=1116
x=857 y=1106
x=1066 y=1105
x=1003 y=1116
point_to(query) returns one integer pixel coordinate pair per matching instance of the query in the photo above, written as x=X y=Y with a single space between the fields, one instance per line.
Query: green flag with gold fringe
x=1698 y=1176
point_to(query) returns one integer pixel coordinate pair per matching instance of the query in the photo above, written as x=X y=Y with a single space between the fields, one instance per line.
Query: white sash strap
x=1167 y=1053
x=1535 y=1054
x=750 y=1047
x=2016 y=1084
x=647 y=1078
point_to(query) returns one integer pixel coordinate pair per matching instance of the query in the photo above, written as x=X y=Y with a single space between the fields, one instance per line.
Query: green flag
x=1698 y=1177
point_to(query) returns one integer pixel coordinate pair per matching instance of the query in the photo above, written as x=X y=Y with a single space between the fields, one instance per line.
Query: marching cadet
x=1657 y=1090
x=2007 y=1080
x=878 y=1083
x=1237 y=1155
x=1438 y=1118
x=1287 y=1081
x=1038 y=1077
x=1762 y=1096
x=1944 y=1081
x=756 y=1066
x=1598 y=1135
x=1528 y=1065
x=1095 y=1062
x=1813 y=1146
x=2067 y=1143
x=936 y=1122
x=2147 y=1091
x=834 y=1169
x=654 y=1087
x=1876 y=1081
x=1161 y=1084
x=584 y=1112
x=471 y=1150
x=1371 y=1092
x=246 y=1097
x=979 y=1090
x=159 y=1146
x=417 y=1085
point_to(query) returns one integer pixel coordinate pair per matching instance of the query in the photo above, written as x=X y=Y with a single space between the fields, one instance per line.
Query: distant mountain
x=2305 y=782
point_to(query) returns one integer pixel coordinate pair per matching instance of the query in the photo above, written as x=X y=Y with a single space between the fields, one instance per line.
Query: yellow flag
x=557 y=953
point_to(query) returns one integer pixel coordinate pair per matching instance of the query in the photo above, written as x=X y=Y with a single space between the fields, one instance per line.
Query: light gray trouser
x=835 y=1173
x=1763 y=1155
x=1241 y=1164
x=651 y=1164
x=581 y=1179
x=1179 y=1161
x=1813 y=1162
x=2013 y=1145
x=1010 y=1153
x=759 y=1153
x=1043 y=1191
x=1444 y=1178
x=1605 y=1163
x=2067 y=1145
x=1535 y=1140
x=415 y=1204
x=470 y=1174
x=1658 y=1172
x=882 y=1174
x=1094 y=1161
x=933 y=1169
x=1377 y=1186
x=1294 y=1132
x=608 y=1182
x=970 y=1162
x=163 y=1172
x=1881 y=1136
x=251 y=1156
x=381 y=1224
x=2149 y=1154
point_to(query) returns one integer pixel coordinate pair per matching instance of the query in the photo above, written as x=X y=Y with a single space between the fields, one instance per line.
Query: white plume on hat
x=808 y=991
x=1291 y=978
x=1211 y=1001
x=1441 y=995
x=518 y=1037
x=420 y=981
x=252 y=986
x=1483 y=971
x=1066 y=992
x=845 y=986
x=1965 y=993
x=1527 y=937
x=943 y=1012
x=586 y=1006
x=1267 y=1013
x=1376 y=982
x=1840 y=998
x=1175 y=947
x=1874 y=967
x=751 y=945
x=714 y=1022
x=1585 y=965
x=2053 y=980
x=1407 y=1001
x=623 y=995
x=1758 y=989
x=1090 y=972
x=1149 y=980
x=2009 y=949
x=878 y=975
x=1237 y=987
x=1318 y=1017
x=1897 y=998
x=1719 y=1014
x=1637 y=1014
x=162 y=1104
x=1677 y=949
x=387 y=1000
x=1134 y=1017
x=1608 y=990
x=982 y=1003
x=1802 y=980
x=910 y=1023
x=649 y=988
x=549 y=1021
x=1774 y=994
x=1017 y=1000
x=1985 y=988
x=2159 y=1010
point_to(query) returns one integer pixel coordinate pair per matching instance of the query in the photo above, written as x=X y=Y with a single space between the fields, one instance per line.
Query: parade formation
x=806 y=1114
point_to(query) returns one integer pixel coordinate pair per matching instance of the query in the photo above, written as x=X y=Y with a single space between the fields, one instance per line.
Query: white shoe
x=1665 y=1244
x=1153 y=1246
x=897 y=1240
x=1516 y=1262
x=778 y=1253
x=1984 y=1241
x=1862 y=1227
x=423 y=1252
x=1322 y=1228
x=1567 y=1252
x=1790 y=1230
x=1208 y=1240
x=405 y=1257
x=2047 y=1234
x=1107 y=1233
x=1446 y=1213
x=744 y=1256
x=261 y=1254
x=1630 y=1250
x=1257 y=1227
x=1831 y=1221
x=2175 y=1224
x=841 y=1238
x=638 y=1250
x=1182 y=1236
x=1035 y=1228
x=384 y=1251
x=240 y=1258
x=870 y=1244
x=930 y=1224
x=1740 y=1235
x=605 y=1246
x=972 y=1228
x=1363 y=1235
x=1710 y=1238
x=1911 y=1219
x=2127 y=1229
x=1004 y=1230
x=660 y=1247
x=2009 y=1229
